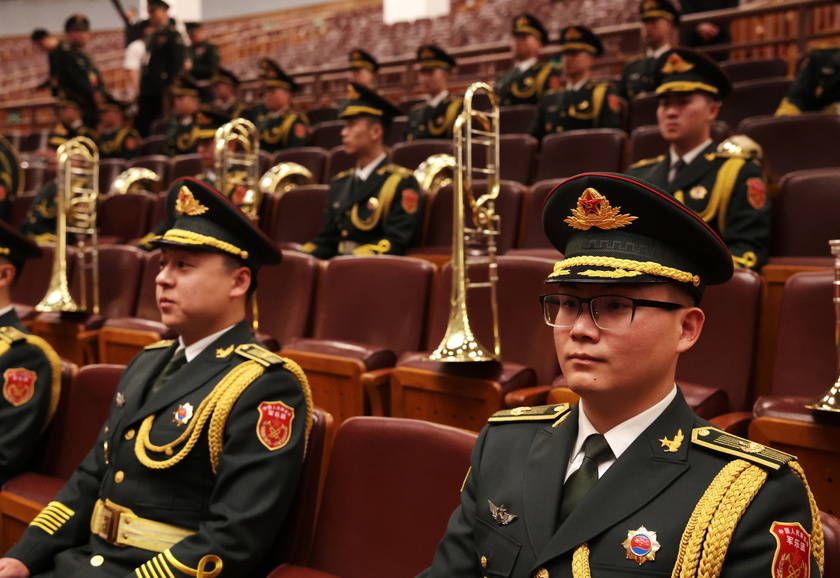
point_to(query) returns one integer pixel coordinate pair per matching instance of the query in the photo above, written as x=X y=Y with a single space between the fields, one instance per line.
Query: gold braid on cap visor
x=647 y=267
x=191 y=238
x=685 y=86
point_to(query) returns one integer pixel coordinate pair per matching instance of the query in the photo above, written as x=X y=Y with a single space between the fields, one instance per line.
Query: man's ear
x=377 y=131
x=241 y=282
x=692 y=319
x=7 y=275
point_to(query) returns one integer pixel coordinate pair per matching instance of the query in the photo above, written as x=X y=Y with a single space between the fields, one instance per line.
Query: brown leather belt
x=122 y=527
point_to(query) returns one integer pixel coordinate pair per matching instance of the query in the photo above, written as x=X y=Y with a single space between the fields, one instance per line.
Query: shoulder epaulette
x=721 y=441
x=259 y=354
x=525 y=413
x=159 y=344
x=417 y=106
x=646 y=162
x=343 y=174
x=637 y=58
x=396 y=169
x=11 y=335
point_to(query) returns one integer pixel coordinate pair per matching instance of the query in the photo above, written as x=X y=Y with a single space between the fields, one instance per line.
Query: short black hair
x=39 y=34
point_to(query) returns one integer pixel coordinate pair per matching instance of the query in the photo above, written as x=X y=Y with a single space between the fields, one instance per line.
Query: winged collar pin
x=500 y=514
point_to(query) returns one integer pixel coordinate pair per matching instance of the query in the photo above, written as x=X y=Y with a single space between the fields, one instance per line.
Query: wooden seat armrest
x=534 y=395
x=377 y=384
x=735 y=423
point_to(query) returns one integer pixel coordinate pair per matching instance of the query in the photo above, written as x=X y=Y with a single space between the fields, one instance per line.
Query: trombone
x=480 y=129
x=831 y=400
x=237 y=150
x=77 y=194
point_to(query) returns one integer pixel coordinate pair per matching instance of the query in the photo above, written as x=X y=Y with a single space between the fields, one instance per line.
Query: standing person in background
x=705 y=34
x=659 y=20
x=434 y=118
x=202 y=55
x=529 y=79
x=75 y=71
x=46 y=43
x=164 y=61
x=135 y=54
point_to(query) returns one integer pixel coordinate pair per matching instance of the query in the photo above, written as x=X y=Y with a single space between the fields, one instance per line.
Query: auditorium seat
x=161 y=165
x=340 y=161
x=754 y=69
x=322 y=114
x=326 y=134
x=567 y=154
x=159 y=127
x=753 y=98
x=390 y=489
x=466 y=394
x=154 y=144
x=643 y=110
x=31 y=286
x=517 y=119
x=297 y=215
x=831 y=536
x=186 y=166
x=36 y=175
x=19 y=207
x=517 y=157
x=396 y=131
x=124 y=217
x=531 y=234
x=438 y=235
x=36 y=140
x=109 y=169
x=410 y=154
x=646 y=141
x=368 y=311
x=313 y=158
x=792 y=143
x=67 y=441
x=806 y=213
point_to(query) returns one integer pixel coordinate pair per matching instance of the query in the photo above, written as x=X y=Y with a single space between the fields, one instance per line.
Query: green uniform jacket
x=381 y=215
x=730 y=194
x=61 y=133
x=165 y=58
x=181 y=138
x=236 y=510
x=521 y=464
x=425 y=121
x=594 y=105
x=279 y=131
x=122 y=143
x=817 y=84
x=637 y=77
x=31 y=373
x=515 y=87
x=76 y=73
x=205 y=59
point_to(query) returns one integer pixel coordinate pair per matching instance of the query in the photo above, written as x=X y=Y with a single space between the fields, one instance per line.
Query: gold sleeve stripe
x=52 y=517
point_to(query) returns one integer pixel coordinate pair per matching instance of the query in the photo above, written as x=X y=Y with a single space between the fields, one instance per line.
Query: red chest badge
x=793 y=551
x=18 y=385
x=274 y=429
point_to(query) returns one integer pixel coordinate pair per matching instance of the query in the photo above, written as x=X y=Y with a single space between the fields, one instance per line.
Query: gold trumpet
x=435 y=172
x=77 y=194
x=135 y=179
x=459 y=344
x=831 y=400
x=283 y=177
x=237 y=151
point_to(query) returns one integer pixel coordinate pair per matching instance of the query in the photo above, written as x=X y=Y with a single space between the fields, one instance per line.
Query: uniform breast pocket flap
x=496 y=551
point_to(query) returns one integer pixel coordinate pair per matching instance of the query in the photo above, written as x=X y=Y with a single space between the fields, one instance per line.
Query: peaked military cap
x=358 y=58
x=186 y=85
x=225 y=76
x=203 y=218
x=110 y=102
x=684 y=70
x=612 y=228
x=153 y=4
x=273 y=76
x=652 y=9
x=526 y=24
x=580 y=38
x=69 y=99
x=16 y=247
x=191 y=26
x=76 y=22
x=362 y=100
x=208 y=121
x=431 y=56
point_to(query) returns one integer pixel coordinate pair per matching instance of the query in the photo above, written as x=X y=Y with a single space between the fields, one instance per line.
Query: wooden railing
x=783 y=30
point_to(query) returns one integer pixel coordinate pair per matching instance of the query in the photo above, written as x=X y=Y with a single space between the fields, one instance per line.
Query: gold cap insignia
x=649 y=5
x=573 y=34
x=427 y=54
x=594 y=210
x=522 y=22
x=355 y=55
x=641 y=545
x=675 y=65
x=187 y=204
x=352 y=93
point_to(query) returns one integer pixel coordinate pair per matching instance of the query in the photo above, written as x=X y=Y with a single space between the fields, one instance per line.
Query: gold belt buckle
x=109 y=529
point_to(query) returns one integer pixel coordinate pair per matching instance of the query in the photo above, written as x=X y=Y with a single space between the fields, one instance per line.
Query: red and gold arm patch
x=756 y=193
x=18 y=385
x=410 y=200
x=793 y=551
x=274 y=428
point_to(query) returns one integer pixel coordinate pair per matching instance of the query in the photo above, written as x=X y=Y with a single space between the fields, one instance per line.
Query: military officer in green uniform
x=182 y=131
x=225 y=85
x=728 y=191
x=363 y=68
x=434 y=118
x=117 y=140
x=529 y=79
x=659 y=20
x=75 y=71
x=629 y=481
x=582 y=103
x=202 y=55
x=376 y=208
x=11 y=177
x=197 y=464
x=31 y=370
x=163 y=63
x=816 y=87
x=280 y=126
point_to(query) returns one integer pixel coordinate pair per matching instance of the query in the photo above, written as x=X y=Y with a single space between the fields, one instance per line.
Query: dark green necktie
x=678 y=167
x=595 y=450
x=177 y=362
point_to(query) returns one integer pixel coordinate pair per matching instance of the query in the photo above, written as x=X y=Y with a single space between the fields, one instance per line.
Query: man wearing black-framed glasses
x=629 y=481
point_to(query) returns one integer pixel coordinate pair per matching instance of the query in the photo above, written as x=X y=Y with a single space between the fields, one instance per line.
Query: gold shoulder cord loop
x=580 y=562
x=817 y=536
x=722 y=192
x=386 y=198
